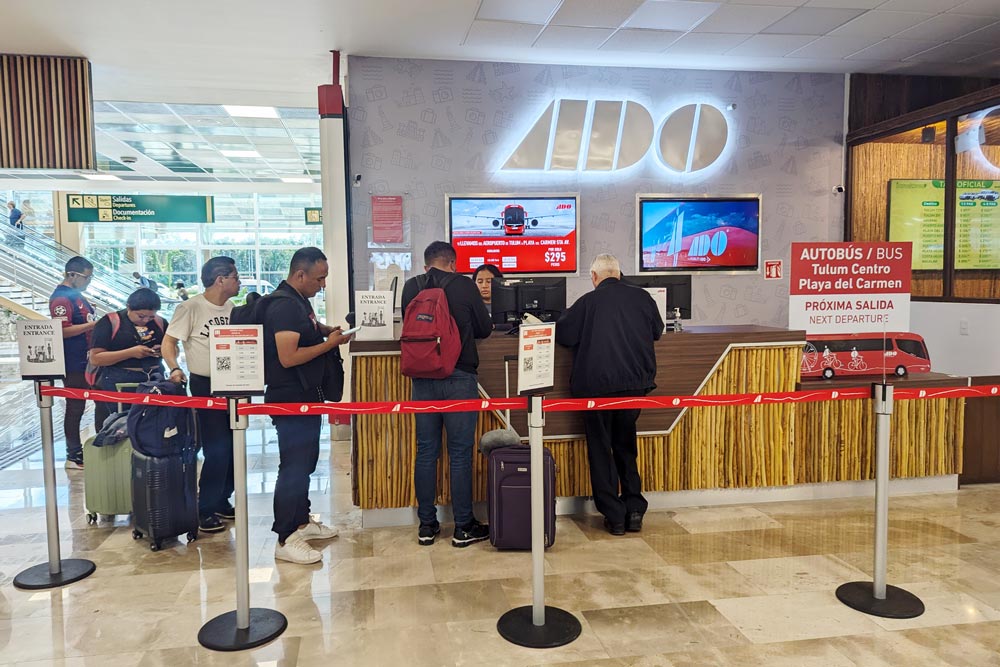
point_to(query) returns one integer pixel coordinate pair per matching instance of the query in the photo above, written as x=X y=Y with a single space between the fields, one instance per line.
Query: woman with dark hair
x=126 y=345
x=484 y=276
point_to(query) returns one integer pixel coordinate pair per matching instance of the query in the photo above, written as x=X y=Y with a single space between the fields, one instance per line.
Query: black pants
x=216 y=440
x=298 y=453
x=74 y=415
x=612 y=452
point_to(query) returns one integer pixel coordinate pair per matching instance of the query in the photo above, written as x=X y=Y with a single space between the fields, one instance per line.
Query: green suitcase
x=107 y=476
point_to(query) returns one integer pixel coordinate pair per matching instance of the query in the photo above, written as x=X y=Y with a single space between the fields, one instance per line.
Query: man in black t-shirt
x=294 y=347
x=68 y=304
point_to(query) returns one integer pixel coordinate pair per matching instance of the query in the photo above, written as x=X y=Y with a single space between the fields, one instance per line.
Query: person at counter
x=473 y=321
x=611 y=331
x=484 y=276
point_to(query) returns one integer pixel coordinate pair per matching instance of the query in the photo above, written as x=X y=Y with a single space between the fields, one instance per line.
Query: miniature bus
x=893 y=353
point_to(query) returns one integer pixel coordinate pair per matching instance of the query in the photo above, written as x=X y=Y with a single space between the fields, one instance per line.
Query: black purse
x=332 y=388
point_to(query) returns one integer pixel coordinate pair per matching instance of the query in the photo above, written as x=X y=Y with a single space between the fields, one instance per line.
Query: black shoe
x=427 y=533
x=211 y=524
x=633 y=522
x=469 y=534
x=614 y=528
x=227 y=512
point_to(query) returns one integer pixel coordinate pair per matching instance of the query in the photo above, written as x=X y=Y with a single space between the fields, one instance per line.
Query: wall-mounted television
x=693 y=233
x=520 y=234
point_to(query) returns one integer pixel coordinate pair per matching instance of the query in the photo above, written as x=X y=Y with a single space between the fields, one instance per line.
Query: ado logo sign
x=605 y=135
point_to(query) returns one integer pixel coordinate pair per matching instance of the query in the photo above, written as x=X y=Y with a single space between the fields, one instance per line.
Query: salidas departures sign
x=139 y=208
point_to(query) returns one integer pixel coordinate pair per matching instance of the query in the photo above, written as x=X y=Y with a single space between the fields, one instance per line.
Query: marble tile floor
x=727 y=586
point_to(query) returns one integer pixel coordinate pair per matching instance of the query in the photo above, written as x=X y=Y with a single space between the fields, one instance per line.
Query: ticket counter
x=726 y=447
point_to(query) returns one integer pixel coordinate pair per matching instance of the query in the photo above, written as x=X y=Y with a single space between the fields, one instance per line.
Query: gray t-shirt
x=191 y=325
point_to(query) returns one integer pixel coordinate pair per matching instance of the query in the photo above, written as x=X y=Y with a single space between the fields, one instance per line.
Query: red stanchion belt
x=500 y=404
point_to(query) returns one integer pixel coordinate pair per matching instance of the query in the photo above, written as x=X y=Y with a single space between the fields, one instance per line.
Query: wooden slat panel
x=46 y=113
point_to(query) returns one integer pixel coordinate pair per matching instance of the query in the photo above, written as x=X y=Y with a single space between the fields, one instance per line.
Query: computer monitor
x=678 y=290
x=545 y=298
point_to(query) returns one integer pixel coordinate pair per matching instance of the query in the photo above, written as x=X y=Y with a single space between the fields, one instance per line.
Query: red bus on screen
x=892 y=353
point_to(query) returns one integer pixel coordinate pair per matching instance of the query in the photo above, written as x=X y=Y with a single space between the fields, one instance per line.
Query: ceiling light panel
x=518 y=11
x=641 y=41
x=240 y=153
x=237 y=111
x=878 y=24
x=594 y=13
x=502 y=33
x=812 y=21
x=561 y=37
x=671 y=15
x=745 y=19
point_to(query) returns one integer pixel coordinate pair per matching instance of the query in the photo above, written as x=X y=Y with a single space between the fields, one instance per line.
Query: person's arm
x=180 y=328
x=102 y=357
x=569 y=324
x=410 y=290
x=60 y=308
x=168 y=348
x=291 y=355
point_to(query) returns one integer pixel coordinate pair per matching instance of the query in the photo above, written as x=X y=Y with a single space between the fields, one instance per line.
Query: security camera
x=357 y=180
x=837 y=189
x=731 y=107
x=129 y=159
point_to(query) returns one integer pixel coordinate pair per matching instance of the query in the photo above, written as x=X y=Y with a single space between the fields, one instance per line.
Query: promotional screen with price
x=519 y=235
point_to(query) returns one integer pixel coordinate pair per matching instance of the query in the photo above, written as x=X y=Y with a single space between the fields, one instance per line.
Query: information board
x=977 y=225
x=139 y=208
x=237 y=359
x=40 y=347
x=916 y=214
x=536 y=355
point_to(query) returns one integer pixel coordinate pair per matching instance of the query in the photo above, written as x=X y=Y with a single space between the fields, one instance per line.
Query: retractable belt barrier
x=500 y=404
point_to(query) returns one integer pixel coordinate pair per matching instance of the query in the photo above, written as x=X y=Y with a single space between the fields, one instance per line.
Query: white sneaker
x=296 y=550
x=74 y=465
x=314 y=530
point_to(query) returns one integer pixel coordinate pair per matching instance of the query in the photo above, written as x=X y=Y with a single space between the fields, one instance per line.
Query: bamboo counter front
x=724 y=447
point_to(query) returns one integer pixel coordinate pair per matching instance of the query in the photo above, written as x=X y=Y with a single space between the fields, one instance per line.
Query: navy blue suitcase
x=164 y=496
x=509 y=497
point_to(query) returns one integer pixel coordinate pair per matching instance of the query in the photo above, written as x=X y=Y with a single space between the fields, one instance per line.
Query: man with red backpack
x=443 y=316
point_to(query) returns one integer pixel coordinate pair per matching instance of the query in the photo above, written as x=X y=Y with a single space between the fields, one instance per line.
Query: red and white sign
x=849 y=287
x=387 y=219
x=772 y=269
x=236 y=355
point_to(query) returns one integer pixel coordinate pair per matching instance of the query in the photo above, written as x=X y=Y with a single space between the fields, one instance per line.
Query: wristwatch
x=175 y=369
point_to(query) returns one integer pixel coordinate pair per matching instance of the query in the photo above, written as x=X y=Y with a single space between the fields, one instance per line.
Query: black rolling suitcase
x=164 y=497
x=509 y=497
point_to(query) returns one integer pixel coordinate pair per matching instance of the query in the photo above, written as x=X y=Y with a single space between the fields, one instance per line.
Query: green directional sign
x=139 y=208
x=314 y=215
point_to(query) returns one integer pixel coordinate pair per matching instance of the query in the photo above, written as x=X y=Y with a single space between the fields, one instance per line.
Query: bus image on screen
x=695 y=233
x=525 y=235
x=892 y=353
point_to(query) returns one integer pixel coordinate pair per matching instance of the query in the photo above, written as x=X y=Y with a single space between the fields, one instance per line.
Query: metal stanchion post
x=246 y=627
x=538 y=626
x=876 y=597
x=56 y=572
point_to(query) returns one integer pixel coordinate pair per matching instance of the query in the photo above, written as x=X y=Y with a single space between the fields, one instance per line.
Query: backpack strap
x=116 y=322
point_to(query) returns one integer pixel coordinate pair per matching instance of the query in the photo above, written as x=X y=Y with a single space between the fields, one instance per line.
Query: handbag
x=332 y=388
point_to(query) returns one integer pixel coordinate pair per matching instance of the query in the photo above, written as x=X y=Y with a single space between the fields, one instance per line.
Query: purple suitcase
x=509 y=497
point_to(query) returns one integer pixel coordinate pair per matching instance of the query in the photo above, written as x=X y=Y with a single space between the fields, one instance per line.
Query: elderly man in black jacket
x=611 y=331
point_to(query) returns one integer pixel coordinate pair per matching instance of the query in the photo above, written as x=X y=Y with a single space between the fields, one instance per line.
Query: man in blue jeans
x=473 y=321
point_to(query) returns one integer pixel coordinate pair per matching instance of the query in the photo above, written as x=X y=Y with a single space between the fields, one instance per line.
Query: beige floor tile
x=797 y=574
x=723 y=519
x=476 y=562
x=380 y=572
x=604 y=555
x=724 y=547
x=954 y=646
x=580 y=591
x=702 y=581
x=944 y=605
x=439 y=603
x=794 y=616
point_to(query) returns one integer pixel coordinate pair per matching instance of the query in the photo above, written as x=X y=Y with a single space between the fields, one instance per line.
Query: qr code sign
x=529 y=364
x=223 y=363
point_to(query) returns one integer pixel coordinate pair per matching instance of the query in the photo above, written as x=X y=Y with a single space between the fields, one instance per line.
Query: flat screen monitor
x=520 y=235
x=678 y=290
x=689 y=233
x=545 y=298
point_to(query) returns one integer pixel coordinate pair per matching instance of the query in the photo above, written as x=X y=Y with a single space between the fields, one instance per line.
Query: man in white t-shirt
x=191 y=324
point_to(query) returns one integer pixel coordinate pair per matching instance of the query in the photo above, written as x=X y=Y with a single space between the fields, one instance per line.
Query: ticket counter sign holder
x=236 y=354
x=536 y=354
x=40 y=350
x=850 y=287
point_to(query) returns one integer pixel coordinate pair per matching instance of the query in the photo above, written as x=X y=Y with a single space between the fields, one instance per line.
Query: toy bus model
x=898 y=353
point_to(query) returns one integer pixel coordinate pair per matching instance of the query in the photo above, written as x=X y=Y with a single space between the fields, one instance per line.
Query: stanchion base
x=221 y=633
x=517 y=627
x=71 y=569
x=898 y=603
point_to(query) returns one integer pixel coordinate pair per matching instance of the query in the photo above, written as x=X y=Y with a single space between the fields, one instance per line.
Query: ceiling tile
x=877 y=24
x=979 y=8
x=705 y=43
x=845 y=4
x=812 y=21
x=671 y=15
x=519 y=11
x=649 y=41
x=595 y=13
x=933 y=6
x=988 y=35
x=562 y=37
x=745 y=19
x=770 y=45
x=501 y=33
x=786 y=3
x=944 y=27
x=893 y=49
x=948 y=53
x=832 y=47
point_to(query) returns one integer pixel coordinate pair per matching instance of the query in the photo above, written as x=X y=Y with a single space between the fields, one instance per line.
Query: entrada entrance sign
x=605 y=135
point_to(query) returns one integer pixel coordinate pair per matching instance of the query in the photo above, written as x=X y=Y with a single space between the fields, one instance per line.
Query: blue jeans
x=461 y=428
x=298 y=452
x=216 y=439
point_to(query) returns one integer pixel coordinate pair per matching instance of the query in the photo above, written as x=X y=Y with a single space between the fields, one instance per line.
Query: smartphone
x=350 y=331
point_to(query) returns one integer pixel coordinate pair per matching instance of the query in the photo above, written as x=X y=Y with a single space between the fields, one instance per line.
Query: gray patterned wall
x=426 y=128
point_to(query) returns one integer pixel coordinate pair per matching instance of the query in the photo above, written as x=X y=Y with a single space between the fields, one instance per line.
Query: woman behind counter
x=484 y=276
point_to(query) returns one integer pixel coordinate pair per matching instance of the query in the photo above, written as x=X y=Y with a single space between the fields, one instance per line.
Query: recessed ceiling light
x=101 y=177
x=250 y=112
x=229 y=153
x=296 y=179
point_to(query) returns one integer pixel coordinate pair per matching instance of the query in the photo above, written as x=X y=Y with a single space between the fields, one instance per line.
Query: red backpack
x=429 y=343
x=92 y=374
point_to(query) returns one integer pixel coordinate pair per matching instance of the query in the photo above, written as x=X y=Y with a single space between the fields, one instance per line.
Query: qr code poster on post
x=237 y=360
x=528 y=365
x=223 y=364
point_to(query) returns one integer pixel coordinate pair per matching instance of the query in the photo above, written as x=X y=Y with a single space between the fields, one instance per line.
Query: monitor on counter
x=519 y=234
x=545 y=298
x=694 y=233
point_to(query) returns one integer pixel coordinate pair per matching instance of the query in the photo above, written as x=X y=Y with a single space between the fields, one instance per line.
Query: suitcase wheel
x=92 y=518
x=106 y=517
x=154 y=545
x=136 y=534
x=192 y=536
